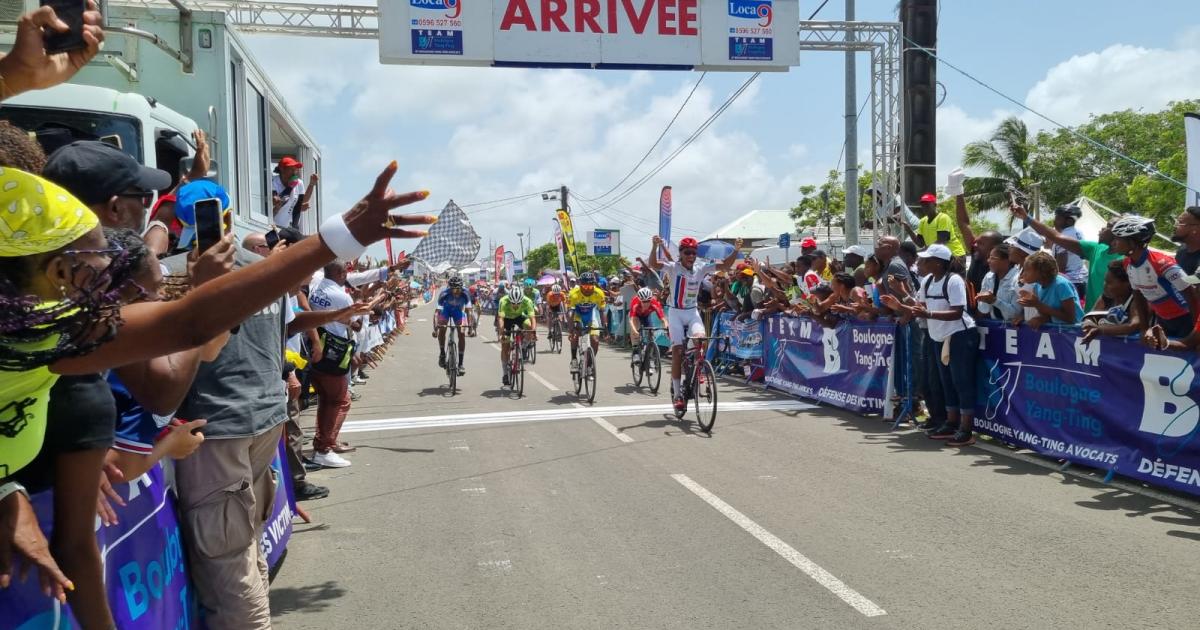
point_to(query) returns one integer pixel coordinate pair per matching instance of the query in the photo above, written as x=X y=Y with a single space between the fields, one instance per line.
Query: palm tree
x=1005 y=159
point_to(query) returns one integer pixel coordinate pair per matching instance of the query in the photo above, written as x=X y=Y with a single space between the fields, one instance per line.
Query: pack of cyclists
x=582 y=307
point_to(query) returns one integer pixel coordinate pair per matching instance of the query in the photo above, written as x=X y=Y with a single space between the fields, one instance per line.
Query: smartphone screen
x=209 y=227
x=71 y=12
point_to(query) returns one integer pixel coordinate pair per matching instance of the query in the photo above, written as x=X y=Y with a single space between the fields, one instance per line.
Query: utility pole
x=852 y=220
x=562 y=192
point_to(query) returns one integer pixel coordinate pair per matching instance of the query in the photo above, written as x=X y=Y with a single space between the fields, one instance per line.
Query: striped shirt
x=685 y=283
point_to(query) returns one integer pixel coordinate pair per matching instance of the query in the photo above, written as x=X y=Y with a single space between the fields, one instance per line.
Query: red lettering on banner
x=586 y=12
x=672 y=17
x=666 y=19
x=687 y=18
x=553 y=12
x=518 y=12
x=638 y=21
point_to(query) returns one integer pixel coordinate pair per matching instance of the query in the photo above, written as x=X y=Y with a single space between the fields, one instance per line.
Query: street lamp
x=521 y=242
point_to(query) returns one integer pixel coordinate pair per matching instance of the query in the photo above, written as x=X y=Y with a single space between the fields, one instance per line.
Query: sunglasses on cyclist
x=687 y=252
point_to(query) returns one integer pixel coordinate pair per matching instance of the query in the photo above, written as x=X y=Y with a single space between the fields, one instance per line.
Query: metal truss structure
x=286 y=18
x=883 y=41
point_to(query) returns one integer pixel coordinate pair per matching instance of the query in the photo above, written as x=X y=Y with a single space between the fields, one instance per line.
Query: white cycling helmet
x=1135 y=228
x=516 y=293
x=645 y=294
x=556 y=287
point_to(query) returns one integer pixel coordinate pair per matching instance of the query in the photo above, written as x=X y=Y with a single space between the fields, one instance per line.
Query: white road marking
x=557 y=413
x=797 y=559
x=607 y=426
x=475 y=491
x=537 y=377
x=496 y=566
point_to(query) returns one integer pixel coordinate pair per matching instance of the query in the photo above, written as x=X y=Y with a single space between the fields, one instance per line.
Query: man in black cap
x=108 y=180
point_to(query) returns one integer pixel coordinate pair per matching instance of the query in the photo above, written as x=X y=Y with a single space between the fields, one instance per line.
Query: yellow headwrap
x=38 y=216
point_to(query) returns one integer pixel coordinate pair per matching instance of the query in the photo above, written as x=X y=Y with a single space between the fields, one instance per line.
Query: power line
x=494 y=201
x=656 y=142
x=1146 y=168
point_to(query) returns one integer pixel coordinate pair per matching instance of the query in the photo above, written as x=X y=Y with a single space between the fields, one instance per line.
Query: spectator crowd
x=127 y=341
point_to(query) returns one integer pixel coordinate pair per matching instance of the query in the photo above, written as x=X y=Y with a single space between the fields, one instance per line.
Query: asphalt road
x=485 y=511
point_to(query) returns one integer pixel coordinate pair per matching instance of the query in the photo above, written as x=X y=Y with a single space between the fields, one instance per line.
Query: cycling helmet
x=587 y=277
x=516 y=293
x=1135 y=228
x=556 y=287
x=645 y=294
x=455 y=282
x=688 y=242
x=1070 y=210
x=528 y=282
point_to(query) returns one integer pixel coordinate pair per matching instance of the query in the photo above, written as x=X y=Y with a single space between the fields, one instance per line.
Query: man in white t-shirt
x=1070 y=264
x=684 y=277
x=329 y=376
x=290 y=196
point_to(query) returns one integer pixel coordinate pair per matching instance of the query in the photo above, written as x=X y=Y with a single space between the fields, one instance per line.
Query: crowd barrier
x=1112 y=404
x=145 y=562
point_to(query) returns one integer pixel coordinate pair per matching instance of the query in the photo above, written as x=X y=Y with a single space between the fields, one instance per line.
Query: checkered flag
x=452 y=240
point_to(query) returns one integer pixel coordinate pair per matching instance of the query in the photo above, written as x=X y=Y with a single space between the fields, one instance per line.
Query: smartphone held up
x=210 y=224
x=70 y=12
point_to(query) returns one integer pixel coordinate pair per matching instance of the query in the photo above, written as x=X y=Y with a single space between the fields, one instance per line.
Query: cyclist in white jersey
x=683 y=277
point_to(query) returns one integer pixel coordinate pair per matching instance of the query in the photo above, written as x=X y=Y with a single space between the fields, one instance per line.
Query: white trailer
x=165 y=70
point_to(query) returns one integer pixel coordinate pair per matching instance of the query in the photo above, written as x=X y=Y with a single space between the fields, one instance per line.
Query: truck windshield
x=59 y=127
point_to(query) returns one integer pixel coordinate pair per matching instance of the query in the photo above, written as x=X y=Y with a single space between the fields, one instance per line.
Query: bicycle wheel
x=533 y=352
x=704 y=393
x=638 y=368
x=452 y=365
x=577 y=375
x=653 y=360
x=519 y=379
x=590 y=376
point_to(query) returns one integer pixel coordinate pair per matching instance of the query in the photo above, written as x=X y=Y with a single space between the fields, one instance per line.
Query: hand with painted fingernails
x=371 y=219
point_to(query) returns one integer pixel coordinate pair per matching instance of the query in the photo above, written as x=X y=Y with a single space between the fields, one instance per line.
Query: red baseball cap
x=808 y=242
x=290 y=162
x=929 y=198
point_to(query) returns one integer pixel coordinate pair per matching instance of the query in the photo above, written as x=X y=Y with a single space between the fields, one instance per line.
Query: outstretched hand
x=371 y=220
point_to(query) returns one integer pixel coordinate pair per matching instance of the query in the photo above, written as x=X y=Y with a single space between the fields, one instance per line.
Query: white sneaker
x=330 y=460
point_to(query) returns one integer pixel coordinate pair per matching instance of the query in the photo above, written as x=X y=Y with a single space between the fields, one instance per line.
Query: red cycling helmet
x=688 y=242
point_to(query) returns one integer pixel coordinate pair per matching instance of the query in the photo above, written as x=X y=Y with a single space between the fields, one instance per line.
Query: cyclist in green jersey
x=518 y=313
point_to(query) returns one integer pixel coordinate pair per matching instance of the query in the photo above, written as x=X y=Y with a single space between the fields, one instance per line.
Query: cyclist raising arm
x=684 y=319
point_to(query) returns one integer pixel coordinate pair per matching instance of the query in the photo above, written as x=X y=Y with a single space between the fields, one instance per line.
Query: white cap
x=936 y=250
x=1027 y=240
x=859 y=250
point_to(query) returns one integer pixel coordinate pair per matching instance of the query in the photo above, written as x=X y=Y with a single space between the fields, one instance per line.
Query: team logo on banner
x=751 y=37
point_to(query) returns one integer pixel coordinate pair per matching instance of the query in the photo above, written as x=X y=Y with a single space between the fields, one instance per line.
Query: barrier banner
x=144 y=565
x=1111 y=404
x=277 y=529
x=846 y=367
x=745 y=337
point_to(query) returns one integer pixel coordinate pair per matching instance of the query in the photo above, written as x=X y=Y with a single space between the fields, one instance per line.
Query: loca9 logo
x=454 y=6
x=749 y=9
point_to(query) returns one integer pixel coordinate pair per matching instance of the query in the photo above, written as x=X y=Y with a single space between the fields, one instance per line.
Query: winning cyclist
x=588 y=304
x=452 y=305
x=640 y=308
x=517 y=313
x=554 y=302
x=684 y=319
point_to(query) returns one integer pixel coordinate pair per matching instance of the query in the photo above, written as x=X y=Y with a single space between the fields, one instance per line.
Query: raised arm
x=726 y=264
x=1047 y=232
x=156 y=328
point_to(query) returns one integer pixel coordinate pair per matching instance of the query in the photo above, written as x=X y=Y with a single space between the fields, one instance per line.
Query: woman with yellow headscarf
x=60 y=313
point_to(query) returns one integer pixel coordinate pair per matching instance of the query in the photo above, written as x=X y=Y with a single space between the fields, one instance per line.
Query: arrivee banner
x=1109 y=404
x=735 y=35
x=845 y=367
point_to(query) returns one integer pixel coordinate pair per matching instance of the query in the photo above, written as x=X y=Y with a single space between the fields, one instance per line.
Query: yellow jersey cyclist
x=517 y=313
x=588 y=304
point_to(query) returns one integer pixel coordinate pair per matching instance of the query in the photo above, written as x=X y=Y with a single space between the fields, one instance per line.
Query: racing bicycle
x=555 y=333
x=452 y=366
x=515 y=368
x=585 y=376
x=699 y=382
x=647 y=361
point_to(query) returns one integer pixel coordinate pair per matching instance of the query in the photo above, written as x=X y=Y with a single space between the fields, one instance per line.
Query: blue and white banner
x=745 y=336
x=1110 y=404
x=845 y=367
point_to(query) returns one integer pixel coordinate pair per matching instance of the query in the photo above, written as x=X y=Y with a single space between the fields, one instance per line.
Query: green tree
x=541 y=258
x=545 y=257
x=1005 y=158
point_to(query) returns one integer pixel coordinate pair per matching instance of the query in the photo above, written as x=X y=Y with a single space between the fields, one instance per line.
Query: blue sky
x=479 y=134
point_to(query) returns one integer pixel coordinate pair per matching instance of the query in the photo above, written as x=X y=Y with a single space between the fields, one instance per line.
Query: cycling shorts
x=459 y=317
x=683 y=323
x=588 y=321
x=515 y=323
